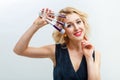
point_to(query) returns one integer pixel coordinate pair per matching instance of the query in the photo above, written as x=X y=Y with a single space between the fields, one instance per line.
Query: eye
x=78 y=22
x=69 y=25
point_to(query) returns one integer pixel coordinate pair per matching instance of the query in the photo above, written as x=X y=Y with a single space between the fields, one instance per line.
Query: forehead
x=72 y=17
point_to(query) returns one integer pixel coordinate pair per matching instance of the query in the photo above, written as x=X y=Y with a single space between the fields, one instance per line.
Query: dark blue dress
x=64 y=69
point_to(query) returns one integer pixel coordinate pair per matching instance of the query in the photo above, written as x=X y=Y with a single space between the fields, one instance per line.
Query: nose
x=76 y=27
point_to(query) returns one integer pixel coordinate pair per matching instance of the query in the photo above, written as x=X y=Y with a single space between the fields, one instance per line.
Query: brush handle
x=62 y=31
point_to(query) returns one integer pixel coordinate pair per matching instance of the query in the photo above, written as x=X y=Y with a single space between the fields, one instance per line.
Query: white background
x=16 y=16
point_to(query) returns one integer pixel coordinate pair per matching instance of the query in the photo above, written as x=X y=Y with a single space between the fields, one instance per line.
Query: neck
x=75 y=45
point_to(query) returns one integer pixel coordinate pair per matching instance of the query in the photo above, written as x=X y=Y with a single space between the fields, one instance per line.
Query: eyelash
x=69 y=25
x=78 y=22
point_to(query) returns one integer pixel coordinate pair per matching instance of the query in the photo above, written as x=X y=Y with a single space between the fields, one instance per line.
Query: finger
x=85 y=37
x=87 y=45
x=49 y=18
x=51 y=14
x=42 y=11
x=46 y=11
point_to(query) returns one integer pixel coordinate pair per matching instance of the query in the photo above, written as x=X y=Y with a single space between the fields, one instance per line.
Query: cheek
x=68 y=31
x=83 y=27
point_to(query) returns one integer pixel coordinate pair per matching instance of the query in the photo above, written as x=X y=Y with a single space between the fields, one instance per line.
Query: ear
x=65 y=35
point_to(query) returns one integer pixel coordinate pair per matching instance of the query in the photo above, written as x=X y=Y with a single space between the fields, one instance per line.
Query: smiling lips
x=78 y=33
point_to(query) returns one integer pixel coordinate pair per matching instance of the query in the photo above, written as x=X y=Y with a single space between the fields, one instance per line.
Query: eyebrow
x=75 y=20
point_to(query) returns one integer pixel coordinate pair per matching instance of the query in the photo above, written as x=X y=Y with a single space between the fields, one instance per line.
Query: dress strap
x=93 y=55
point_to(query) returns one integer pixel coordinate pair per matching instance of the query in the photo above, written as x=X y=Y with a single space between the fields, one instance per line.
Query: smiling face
x=75 y=28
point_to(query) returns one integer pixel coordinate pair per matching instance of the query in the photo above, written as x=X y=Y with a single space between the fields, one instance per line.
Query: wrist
x=39 y=22
x=89 y=59
x=91 y=56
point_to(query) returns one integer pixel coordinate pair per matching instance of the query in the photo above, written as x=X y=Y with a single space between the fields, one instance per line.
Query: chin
x=78 y=38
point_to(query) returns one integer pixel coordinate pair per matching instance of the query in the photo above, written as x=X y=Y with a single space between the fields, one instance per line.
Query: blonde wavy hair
x=61 y=38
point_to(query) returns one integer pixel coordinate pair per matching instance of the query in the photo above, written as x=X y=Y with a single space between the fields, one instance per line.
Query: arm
x=93 y=67
x=22 y=47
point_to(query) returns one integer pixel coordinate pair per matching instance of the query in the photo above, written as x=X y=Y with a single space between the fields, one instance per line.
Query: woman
x=74 y=57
